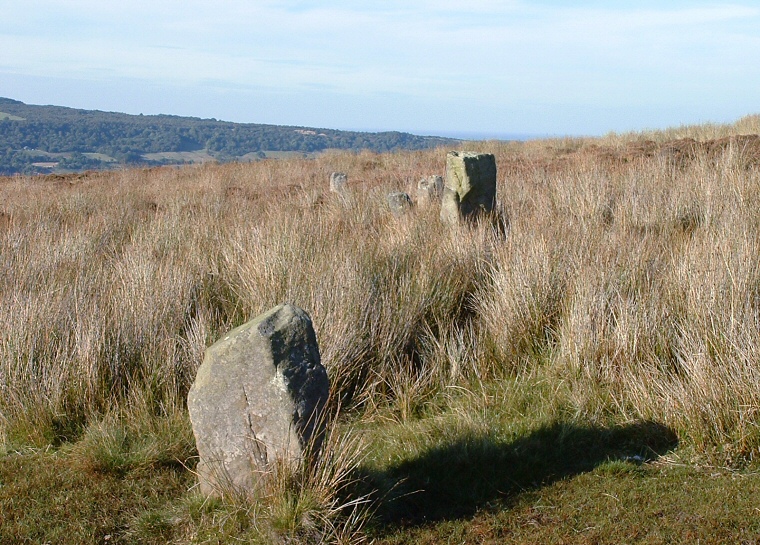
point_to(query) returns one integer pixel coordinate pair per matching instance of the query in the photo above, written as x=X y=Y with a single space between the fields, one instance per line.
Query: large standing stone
x=429 y=189
x=259 y=394
x=470 y=186
x=339 y=182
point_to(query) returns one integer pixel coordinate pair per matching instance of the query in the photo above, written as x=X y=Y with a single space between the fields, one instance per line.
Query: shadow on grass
x=469 y=473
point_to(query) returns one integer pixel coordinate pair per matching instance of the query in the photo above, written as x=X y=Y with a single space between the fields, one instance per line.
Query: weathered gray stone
x=470 y=186
x=429 y=190
x=339 y=182
x=399 y=203
x=259 y=395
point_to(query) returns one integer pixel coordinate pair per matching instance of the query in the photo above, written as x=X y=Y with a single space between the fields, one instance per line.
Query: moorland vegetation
x=581 y=367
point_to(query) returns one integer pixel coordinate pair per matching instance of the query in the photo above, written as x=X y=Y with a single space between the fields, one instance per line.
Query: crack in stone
x=258 y=448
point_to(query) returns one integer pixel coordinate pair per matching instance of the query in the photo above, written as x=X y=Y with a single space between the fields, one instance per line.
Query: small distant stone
x=259 y=395
x=339 y=182
x=429 y=190
x=399 y=203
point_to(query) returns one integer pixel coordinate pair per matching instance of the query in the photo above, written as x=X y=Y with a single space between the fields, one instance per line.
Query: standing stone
x=470 y=186
x=399 y=203
x=339 y=182
x=259 y=395
x=429 y=189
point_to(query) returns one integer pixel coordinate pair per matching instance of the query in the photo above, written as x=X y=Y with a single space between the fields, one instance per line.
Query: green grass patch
x=449 y=472
x=562 y=483
x=654 y=504
x=120 y=444
x=47 y=497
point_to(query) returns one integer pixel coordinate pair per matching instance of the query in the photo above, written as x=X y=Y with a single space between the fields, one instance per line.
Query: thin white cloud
x=489 y=51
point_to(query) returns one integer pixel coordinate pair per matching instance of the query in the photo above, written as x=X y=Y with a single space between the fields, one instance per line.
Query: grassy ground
x=582 y=367
x=617 y=502
x=46 y=497
x=562 y=484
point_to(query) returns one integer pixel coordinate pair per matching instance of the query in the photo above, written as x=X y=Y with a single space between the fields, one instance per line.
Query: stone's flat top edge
x=468 y=154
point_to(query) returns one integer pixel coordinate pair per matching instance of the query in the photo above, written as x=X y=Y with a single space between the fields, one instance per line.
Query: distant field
x=61 y=163
x=100 y=157
x=201 y=156
x=287 y=154
x=51 y=155
x=4 y=115
x=41 y=153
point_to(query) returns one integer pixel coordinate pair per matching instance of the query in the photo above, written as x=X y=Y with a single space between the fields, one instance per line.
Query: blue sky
x=428 y=66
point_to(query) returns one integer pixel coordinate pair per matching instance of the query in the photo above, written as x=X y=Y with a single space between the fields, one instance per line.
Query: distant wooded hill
x=40 y=139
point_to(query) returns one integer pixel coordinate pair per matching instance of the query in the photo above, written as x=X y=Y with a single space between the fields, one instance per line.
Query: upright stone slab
x=339 y=182
x=259 y=394
x=429 y=190
x=470 y=186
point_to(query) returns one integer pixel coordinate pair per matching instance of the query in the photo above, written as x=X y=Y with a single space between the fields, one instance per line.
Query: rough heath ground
x=581 y=367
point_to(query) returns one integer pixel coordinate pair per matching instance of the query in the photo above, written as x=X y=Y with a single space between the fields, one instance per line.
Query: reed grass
x=614 y=290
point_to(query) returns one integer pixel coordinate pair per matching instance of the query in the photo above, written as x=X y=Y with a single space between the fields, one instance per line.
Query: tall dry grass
x=749 y=124
x=632 y=285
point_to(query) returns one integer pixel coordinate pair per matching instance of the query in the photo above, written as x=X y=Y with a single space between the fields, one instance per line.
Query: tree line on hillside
x=127 y=138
